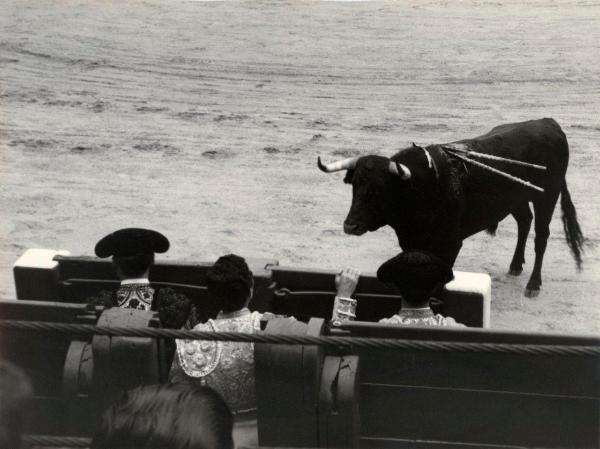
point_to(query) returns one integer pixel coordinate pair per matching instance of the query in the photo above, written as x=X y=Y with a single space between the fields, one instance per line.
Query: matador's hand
x=346 y=282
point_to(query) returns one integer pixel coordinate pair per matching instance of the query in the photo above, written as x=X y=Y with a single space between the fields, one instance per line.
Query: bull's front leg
x=451 y=252
x=448 y=251
x=445 y=245
x=449 y=242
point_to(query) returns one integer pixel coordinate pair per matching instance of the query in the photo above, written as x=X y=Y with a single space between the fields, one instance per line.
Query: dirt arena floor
x=204 y=120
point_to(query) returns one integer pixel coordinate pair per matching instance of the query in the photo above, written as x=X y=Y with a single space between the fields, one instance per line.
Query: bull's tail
x=571 y=225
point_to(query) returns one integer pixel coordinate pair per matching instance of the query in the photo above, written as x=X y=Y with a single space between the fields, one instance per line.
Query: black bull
x=434 y=200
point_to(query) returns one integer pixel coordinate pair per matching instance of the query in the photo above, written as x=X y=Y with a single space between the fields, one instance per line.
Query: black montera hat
x=131 y=242
x=415 y=269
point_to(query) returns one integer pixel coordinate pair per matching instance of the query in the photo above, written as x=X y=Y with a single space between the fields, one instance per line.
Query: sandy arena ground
x=204 y=120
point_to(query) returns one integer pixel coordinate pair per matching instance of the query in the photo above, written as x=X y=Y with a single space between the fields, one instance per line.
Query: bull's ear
x=414 y=145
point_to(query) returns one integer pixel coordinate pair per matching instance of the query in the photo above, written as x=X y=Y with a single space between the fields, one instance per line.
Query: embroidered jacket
x=420 y=317
x=227 y=367
x=135 y=294
x=173 y=308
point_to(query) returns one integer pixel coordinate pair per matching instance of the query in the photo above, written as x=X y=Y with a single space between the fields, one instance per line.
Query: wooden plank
x=316 y=279
x=312 y=291
x=348 y=398
x=41 y=356
x=44 y=359
x=324 y=280
x=182 y=276
x=80 y=290
x=339 y=422
x=508 y=372
x=41 y=311
x=303 y=306
x=364 y=329
x=123 y=363
x=327 y=406
x=85 y=267
x=282 y=397
x=502 y=372
x=371 y=307
x=468 y=308
x=478 y=417
x=312 y=362
x=81 y=421
x=45 y=416
x=406 y=443
x=78 y=410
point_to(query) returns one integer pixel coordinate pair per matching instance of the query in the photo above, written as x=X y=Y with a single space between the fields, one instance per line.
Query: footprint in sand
x=271 y=150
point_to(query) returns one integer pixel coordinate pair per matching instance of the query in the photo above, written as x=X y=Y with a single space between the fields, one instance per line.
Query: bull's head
x=374 y=182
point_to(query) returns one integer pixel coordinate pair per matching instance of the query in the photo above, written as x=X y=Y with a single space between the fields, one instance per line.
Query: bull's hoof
x=532 y=292
x=515 y=271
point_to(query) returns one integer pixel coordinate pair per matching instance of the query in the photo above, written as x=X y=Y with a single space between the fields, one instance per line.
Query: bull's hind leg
x=543 y=207
x=523 y=216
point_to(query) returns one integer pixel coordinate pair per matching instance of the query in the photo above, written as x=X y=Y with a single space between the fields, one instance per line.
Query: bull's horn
x=399 y=169
x=344 y=164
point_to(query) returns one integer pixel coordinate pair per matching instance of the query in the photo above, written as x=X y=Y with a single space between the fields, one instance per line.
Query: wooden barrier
x=36 y=275
x=74 y=378
x=49 y=361
x=72 y=290
x=449 y=398
x=123 y=363
x=189 y=278
x=336 y=397
x=304 y=293
x=307 y=293
x=287 y=387
x=49 y=275
x=339 y=402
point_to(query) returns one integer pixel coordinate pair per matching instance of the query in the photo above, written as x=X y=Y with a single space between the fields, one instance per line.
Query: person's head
x=132 y=267
x=416 y=274
x=15 y=392
x=132 y=250
x=230 y=281
x=166 y=417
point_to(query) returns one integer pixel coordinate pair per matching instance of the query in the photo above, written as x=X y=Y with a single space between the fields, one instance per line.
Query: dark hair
x=15 y=392
x=416 y=274
x=173 y=308
x=229 y=280
x=166 y=417
x=133 y=266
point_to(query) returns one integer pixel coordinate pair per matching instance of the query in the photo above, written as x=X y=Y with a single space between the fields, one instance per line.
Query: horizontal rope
x=53 y=441
x=284 y=339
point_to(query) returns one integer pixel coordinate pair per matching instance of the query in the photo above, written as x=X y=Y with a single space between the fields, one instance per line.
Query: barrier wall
x=475 y=398
x=302 y=292
x=305 y=293
x=433 y=393
x=49 y=275
x=75 y=378
x=59 y=366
